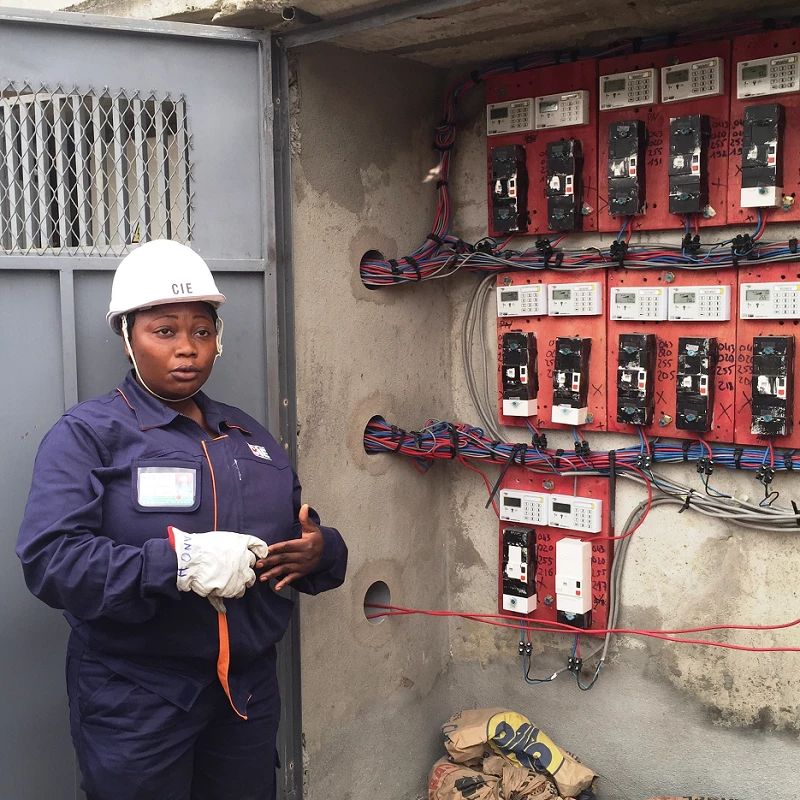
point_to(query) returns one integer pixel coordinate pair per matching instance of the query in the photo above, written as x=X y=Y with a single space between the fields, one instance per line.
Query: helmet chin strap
x=126 y=339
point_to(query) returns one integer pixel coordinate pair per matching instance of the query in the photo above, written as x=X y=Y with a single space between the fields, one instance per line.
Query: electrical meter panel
x=763 y=77
x=693 y=80
x=638 y=303
x=511 y=116
x=693 y=375
x=688 y=164
x=509 y=189
x=564 y=110
x=573 y=581
x=691 y=91
x=700 y=303
x=695 y=384
x=564 y=186
x=627 y=142
x=522 y=301
x=571 y=380
x=629 y=89
x=568 y=309
x=772 y=386
x=581 y=508
x=764 y=140
x=768 y=298
x=762 y=156
x=560 y=106
x=636 y=376
x=519 y=570
x=574 y=299
x=520 y=378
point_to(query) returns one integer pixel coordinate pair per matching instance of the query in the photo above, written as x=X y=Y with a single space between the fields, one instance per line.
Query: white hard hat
x=157 y=273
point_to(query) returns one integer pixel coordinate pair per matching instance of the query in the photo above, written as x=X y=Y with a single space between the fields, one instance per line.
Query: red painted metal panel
x=746 y=330
x=656 y=118
x=761 y=45
x=535 y=83
x=546 y=538
x=547 y=329
x=667 y=334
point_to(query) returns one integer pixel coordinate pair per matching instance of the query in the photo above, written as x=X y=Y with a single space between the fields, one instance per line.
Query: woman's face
x=174 y=346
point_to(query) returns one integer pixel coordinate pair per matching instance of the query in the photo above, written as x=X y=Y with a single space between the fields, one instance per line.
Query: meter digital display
x=562 y=294
x=548 y=106
x=678 y=76
x=684 y=297
x=755 y=72
x=509 y=297
x=615 y=85
x=756 y=295
x=498 y=113
x=562 y=508
x=512 y=502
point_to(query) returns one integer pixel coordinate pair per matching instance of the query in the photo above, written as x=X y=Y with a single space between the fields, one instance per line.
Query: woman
x=156 y=519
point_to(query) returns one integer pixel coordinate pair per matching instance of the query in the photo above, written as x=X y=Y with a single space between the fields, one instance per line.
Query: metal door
x=112 y=132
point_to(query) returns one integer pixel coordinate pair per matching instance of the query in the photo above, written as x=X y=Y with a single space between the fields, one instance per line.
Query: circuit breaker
x=772 y=385
x=522 y=301
x=564 y=187
x=574 y=583
x=695 y=378
x=627 y=145
x=571 y=381
x=509 y=189
x=519 y=570
x=762 y=159
x=688 y=163
x=636 y=374
x=519 y=374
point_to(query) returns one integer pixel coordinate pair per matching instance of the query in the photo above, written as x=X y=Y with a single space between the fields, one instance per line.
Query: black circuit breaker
x=520 y=378
x=695 y=379
x=571 y=380
x=509 y=189
x=688 y=163
x=627 y=146
x=519 y=570
x=762 y=157
x=636 y=374
x=772 y=385
x=564 y=186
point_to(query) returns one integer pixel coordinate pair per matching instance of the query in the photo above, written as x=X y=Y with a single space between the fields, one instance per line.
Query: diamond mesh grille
x=90 y=173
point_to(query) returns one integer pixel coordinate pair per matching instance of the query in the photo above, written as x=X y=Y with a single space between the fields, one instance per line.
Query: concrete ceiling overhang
x=450 y=33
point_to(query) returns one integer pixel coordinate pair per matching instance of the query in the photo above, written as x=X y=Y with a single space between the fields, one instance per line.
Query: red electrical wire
x=485 y=480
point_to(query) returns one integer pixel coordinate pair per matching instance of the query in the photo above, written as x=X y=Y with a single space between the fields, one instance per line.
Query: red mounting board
x=746 y=330
x=535 y=83
x=656 y=118
x=761 y=45
x=547 y=330
x=546 y=538
x=667 y=334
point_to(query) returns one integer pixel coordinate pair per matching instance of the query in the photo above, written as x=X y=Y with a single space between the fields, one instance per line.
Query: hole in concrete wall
x=368 y=449
x=377 y=594
x=370 y=255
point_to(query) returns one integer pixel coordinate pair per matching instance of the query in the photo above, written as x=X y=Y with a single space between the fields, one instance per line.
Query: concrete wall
x=362 y=140
x=664 y=719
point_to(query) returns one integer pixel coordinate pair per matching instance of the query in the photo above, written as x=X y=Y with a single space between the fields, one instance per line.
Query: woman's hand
x=290 y=560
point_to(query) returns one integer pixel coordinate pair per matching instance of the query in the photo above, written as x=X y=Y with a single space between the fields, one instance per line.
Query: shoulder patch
x=260 y=451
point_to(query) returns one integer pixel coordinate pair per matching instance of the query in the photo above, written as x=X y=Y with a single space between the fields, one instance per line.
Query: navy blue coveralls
x=149 y=716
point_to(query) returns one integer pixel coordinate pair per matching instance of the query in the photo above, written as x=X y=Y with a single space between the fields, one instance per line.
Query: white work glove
x=216 y=564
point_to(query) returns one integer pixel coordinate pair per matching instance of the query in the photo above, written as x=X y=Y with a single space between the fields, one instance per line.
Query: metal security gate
x=113 y=132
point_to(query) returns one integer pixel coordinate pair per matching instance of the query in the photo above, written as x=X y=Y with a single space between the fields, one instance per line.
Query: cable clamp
x=396 y=272
x=765 y=474
x=395 y=432
x=558 y=259
x=687 y=501
x=417 y=439
x=793 y=246
x=737 y=457
x=769 y=24
x=788 y=461
x=636 y=44
x=686 y=444
x=742 y=245
x=796 y=512
x=672 y=38
x=439 y=184
x=691 y=244
x=493 y=447
x=539 y=440
x=453 y=440
x=476 y=77
x=515 y=65
x=435 y=237
x=464 y=247
x=545 y=248
x=512 y=456
x=522 y=450
x=557 y=459
x=618 y=251
x=414 y=264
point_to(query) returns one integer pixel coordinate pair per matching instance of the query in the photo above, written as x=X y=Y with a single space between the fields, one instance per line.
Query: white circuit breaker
x=767 y=76
x=693 y=79
x=522 y=301
x=626 y=89
x=575 y=513
x=519 y=506
x=769 y=301
x=638 y=302
x=574 y=582
x=574 y=299
x=511 y=116
x=700 y=303
x=562 y=110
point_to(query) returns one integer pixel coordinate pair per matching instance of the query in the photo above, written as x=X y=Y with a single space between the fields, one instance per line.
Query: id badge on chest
x=161 y=487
